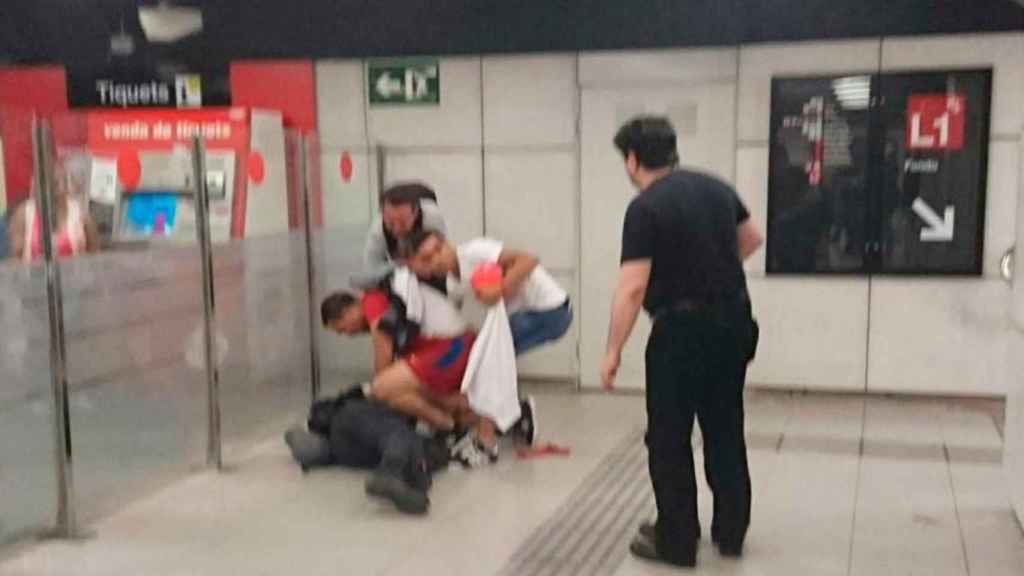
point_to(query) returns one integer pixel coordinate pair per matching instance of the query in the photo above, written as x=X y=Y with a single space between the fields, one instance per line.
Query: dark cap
x=651 y=138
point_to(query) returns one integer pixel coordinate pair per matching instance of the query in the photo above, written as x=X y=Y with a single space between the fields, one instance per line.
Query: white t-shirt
x=441 y=319
x=539 y=293
x=437 y=316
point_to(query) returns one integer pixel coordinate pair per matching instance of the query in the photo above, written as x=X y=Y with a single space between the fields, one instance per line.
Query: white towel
x=406 y=286
x=490 y=383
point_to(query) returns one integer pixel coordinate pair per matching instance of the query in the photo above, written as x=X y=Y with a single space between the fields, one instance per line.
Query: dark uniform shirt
x=685 y=223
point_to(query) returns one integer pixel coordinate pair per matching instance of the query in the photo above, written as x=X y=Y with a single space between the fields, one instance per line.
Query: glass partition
x=132 y=312
x=27 y=466
x=130 y=271
x=28 y=486
x=338 y=242
x=262 y=295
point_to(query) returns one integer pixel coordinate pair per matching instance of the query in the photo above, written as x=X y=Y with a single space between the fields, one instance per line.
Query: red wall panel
x=285 y=85
x=288 y=86
x=24 y=91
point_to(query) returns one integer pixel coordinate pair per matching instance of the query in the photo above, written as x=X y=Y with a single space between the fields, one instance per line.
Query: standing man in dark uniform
x=684 y=239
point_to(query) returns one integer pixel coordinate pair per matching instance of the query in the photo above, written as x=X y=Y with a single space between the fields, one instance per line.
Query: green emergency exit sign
x=404 y=82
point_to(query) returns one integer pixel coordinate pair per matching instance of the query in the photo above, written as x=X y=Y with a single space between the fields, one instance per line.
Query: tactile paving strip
x=590 y=534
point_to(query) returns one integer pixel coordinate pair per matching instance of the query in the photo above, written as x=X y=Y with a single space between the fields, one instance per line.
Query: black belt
x=698 y=305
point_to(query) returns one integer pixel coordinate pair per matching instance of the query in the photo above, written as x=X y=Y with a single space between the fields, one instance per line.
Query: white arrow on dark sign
x=388 y=86
x=939 y=229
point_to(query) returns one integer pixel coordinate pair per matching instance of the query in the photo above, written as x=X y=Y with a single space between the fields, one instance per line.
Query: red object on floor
x=541 y=450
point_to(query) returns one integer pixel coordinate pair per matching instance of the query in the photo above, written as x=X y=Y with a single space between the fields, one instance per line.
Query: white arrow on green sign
x=404 y=82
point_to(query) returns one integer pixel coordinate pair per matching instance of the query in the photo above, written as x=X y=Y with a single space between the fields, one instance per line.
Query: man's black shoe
x=730 y=550
x=645 y=548
x=647 y=529
x=391 y=488
x=526 y=428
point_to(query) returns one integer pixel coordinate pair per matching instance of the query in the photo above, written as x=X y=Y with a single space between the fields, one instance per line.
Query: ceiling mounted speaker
x=164 y=22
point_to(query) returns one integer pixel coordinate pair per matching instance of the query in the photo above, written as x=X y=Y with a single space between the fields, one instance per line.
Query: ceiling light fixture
x=164 y=22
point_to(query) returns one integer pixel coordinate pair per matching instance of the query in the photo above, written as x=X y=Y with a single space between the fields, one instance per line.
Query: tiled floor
x=844 y=486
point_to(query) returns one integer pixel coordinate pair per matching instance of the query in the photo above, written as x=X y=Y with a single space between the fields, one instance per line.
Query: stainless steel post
x=41 y=149
x=314 y=324
x=381 y=170
x=202 y=199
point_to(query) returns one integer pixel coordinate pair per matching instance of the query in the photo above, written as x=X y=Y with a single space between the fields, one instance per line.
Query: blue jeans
x=531 y=329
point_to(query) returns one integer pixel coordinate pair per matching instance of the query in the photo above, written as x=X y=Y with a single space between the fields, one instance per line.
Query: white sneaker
x=471 y=453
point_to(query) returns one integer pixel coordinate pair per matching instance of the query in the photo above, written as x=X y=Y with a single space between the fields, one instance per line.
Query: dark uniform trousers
x=368 y=434
x=696 y=367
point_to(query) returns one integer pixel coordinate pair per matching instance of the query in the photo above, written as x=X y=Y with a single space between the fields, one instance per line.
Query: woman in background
x=74 y=230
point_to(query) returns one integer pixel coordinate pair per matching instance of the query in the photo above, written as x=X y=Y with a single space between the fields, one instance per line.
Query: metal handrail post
x=210 y=361
x=41 y=148
x=314 y=333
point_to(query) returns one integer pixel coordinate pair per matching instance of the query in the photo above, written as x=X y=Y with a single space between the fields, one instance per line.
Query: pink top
x=68 y=241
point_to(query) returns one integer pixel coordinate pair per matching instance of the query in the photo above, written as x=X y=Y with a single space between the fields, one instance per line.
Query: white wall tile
x=1003 y=52
x=531 y=203
x=752 y=186
x=939 y=336
x=813 y=332
x=1001 y=203
x=605 y=193
x=758 y=64
x=346 y=203
x=529 y=100
x=1014 y=430
x=1017 y=310
x=635 y=68
x=457 y=178
x=557 y=360
x=266 y=206
x=456 y=121
x=702 y=114
x=340 y=99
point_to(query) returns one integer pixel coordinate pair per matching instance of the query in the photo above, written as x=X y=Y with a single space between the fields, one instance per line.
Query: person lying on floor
x=352 y=432
x=539 y=310
x=418 y=372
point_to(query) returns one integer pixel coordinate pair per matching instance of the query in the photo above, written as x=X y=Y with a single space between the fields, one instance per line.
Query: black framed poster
x=818 y=174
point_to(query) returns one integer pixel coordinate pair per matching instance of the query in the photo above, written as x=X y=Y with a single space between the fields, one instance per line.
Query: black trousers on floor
x=367 y=434
x=696 y=367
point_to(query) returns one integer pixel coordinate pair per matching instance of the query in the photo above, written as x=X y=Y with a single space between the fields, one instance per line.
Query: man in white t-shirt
x=539 y=310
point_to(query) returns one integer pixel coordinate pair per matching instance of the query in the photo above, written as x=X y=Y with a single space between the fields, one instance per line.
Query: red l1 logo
x=936 y=121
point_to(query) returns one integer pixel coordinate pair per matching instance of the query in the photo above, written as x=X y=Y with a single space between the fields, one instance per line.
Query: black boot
x=389 y=487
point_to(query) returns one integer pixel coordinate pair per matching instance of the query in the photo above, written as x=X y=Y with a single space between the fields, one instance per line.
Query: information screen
x=933 y=171
x=879 y=173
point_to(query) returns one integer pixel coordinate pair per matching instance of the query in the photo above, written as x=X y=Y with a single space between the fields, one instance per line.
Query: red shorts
x=440 y=363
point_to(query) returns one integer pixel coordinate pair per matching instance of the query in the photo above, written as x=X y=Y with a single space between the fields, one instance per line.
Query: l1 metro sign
x=936 y=121
x=398 y=82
